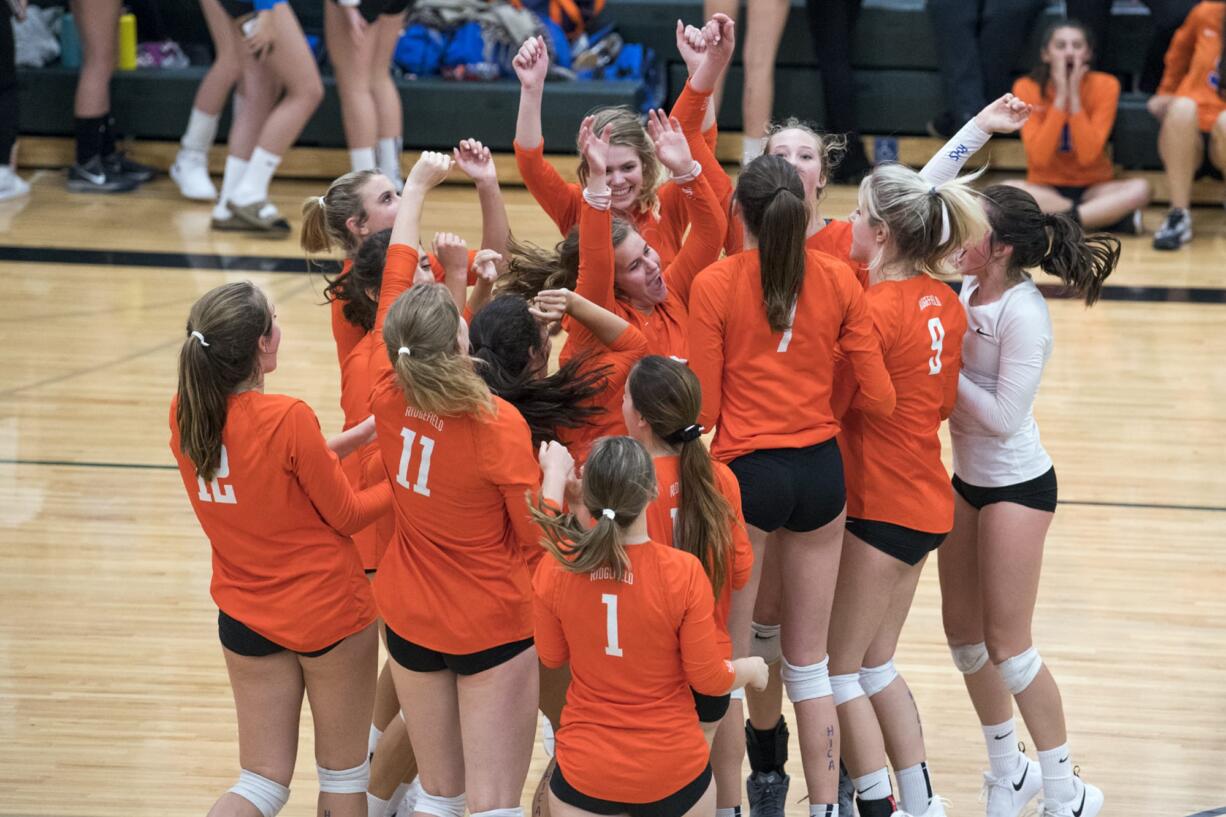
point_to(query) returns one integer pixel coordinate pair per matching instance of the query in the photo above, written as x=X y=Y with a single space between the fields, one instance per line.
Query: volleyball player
x=899 y=501
x=764 y=325
x=1006 y=495
x=1067 y=166
x=634 y=619
x=295 y=612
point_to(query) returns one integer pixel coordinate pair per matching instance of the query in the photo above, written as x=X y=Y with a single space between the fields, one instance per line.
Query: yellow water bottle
x=127 y=43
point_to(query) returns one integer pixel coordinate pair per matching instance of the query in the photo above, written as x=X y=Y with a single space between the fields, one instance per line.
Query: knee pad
x=266 y=795
x=969 y=658
x=428 y=803
x=765 y=643
x=1020 y=670
x=499 y=812
x=846 y=688
x=875 y=679
x=737 y=695
x=808 y=682
x=344 y=781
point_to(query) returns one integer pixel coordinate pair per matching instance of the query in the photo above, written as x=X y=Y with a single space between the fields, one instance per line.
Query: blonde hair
x=831 y=147
x=627 y=131
x=324 y=217
x=918 y=214
x=617 y=476
x=436 y=375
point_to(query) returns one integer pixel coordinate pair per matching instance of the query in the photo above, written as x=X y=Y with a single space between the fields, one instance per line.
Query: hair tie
x=323 y=204
x=199 y=337
x=405 y=350
x=608 y=513
x=782 y=187
x=688 y=434
x=945 y=232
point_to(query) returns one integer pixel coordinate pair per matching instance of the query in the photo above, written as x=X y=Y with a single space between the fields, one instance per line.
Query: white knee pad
x=266 y=795
x=765 y=643
x=875 y=679
x=499 y=812
x=808 y=682
x=846 y=688
x=345 y=781
x=969 y=658
x=428 y=803
x=737 y=694
x=1020 y=670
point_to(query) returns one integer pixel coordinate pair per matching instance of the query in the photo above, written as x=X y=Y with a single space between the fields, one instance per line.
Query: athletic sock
x=373 y=740
x=915 y=788
x=233 y=174
x=873 y=795
x=362 y=159
x=387 y=157
x=398 y=798
x=201 y=131
x=751 y=148
x=376 y=807
x=253 y=186
x=1003 y=754
x=108 y=135
x=89 y=131
x=824 y=810
x=734 y=811
x=1058 y=781
x=767 y=748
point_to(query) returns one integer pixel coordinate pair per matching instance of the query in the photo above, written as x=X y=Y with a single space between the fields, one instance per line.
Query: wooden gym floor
x=113 y=696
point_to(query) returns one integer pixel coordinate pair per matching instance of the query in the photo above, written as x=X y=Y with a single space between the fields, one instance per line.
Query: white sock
x=410 y=797
x=373 y=740
x=375 y=807
x=751 y=148
x=253 y=186
x=397 y=800
x=201 y=131
x=823 y=810
x=914 y=788
x=235 y=168
x=362 y=159
x=1058 y=781
x=734 y=811
x=874 y=785
x=387 y=157
x=1003 y=754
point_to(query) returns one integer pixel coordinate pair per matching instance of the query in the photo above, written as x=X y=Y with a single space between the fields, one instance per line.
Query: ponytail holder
x=200 y=338
x=688 y=434
x=945 y=233
x=405 y=351
x=781 y=188
x=322 y=204
x=608 y=513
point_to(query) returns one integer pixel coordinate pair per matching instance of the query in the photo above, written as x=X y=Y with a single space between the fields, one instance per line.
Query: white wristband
x=598 y=201
x=686 y=178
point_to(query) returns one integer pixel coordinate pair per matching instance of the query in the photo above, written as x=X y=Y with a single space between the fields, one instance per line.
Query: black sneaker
x=97 y=177
x=767 y=793
x=119 y=163
x=1175 y=231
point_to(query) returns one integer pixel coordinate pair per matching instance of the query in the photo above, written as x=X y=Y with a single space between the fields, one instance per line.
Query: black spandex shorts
x=1038 y=493
x=1074 y=194
x=800 y=489
x=371 y=9
x=711 y=708
x=675 y=805
x=238 y=637
x=422 y=659
x=237 y=8
x=904 y=544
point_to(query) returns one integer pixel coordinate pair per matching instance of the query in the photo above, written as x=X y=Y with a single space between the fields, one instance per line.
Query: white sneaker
x=1008 y=796
x=1086 y=804
x=191 y=172
x=12 y=186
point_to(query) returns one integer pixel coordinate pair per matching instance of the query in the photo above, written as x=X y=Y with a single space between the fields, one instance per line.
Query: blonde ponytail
x=325 y=219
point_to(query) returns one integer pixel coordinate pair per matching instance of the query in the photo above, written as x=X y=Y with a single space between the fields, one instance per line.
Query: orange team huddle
x=529 y=538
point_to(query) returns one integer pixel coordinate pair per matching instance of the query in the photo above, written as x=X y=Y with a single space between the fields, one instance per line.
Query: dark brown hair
x=1041 y=73
x=1052 y=242
x=531 y=269
x=365 y=275
x=773 y=207
x=232 y=319
x=668 y=396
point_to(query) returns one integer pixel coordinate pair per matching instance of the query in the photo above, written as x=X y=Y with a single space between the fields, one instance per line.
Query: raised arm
x=1004 y=115
x=603 y=325
x=474 y=160
x=596 y=264
x=452 y=253
x=531 y=67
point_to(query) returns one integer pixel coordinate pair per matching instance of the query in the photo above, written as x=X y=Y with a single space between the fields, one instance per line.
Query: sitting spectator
x=1191 y=103
x=1067 y=167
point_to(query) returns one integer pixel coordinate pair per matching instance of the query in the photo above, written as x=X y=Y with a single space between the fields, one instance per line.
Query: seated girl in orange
x=635 y=620
x=1073 y=111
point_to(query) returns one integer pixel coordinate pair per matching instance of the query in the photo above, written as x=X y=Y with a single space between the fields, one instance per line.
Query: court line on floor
x=276 y=264
x=144 y=466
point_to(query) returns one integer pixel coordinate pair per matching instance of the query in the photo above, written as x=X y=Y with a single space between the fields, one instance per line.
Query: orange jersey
x=618 y=360
x=661 y=518
x=665 y=327
x=278 y=516
x=893 y=464
x=456 y=577
x=561 y=200
x=1069 y=150
x=763 y=389
x=1193 y=62
x=635 y=648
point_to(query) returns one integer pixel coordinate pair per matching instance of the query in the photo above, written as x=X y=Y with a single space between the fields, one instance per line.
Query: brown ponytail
x=1053 y=242
x=531 y=269
x=324 y=218
x=668 y=396
x=231 y=319
x=365 y=276
x=773 y=207
x=619 y=476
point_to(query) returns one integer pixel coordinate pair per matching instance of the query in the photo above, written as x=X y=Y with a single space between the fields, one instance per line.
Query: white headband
x=323 y=203
x=200 y=338
x=944 y=215
x=608 y=513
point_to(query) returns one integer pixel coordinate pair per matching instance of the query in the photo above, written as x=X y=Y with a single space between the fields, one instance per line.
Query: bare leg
x=257 y=94
x=1105 y=204
x=732 y=8
x=351 y=64
x=292 y=63
x=498 y=722
x=214 y=90
x=766 y=707
x=431 y=709
x=386 y=705
x=727 y=755
x=388 y=109
x=761 y=44
x=1180 y=144
x=97 y=23
x=1217 y=143
x=894 y=705
x=394 y=761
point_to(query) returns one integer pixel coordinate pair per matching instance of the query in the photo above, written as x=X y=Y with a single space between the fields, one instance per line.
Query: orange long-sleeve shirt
x=278 y=516
x=661 y=524
x=629 y=730
x=893 y=464
x=763 y=389
x=1193 y=66
x=456 y=577
x=617 y=360
x=1069 y=150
